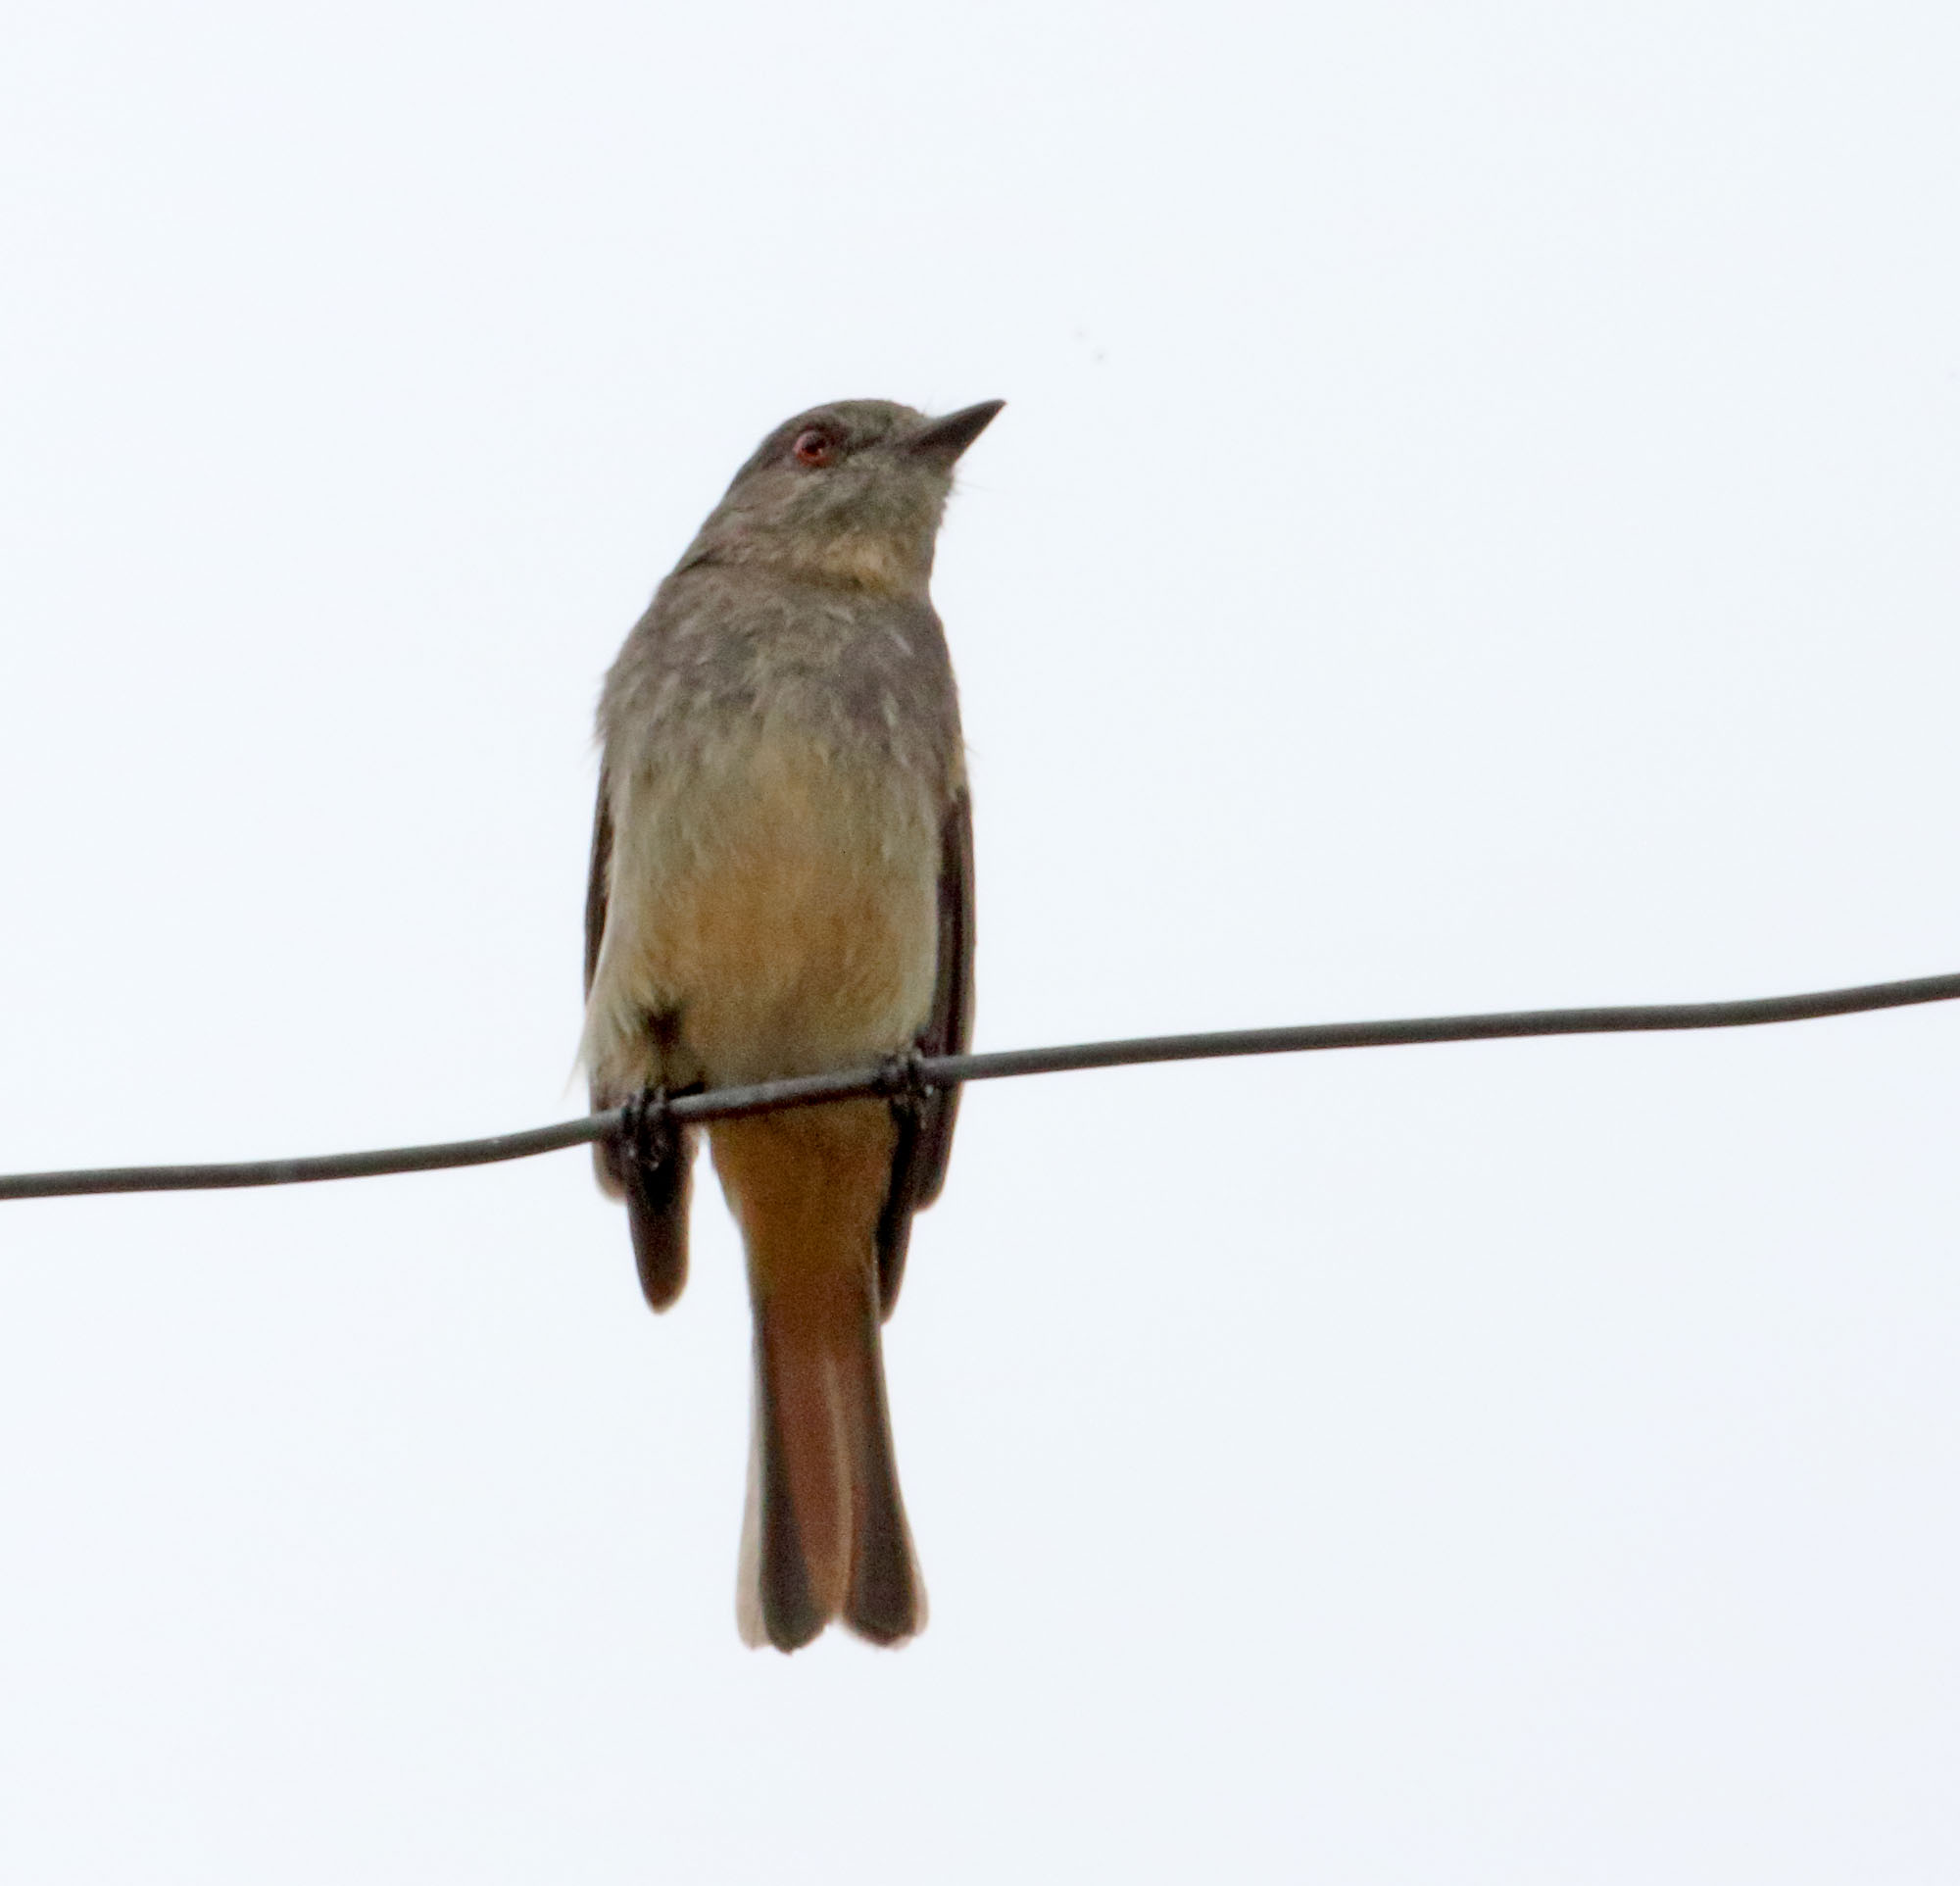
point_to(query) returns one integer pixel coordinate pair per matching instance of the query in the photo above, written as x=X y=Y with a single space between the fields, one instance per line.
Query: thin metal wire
x=951 y=1071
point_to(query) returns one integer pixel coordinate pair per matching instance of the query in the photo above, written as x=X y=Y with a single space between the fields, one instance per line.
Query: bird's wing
x=925 y=1126
x=595 y=885
x=950 y=1029
x=656 y=1192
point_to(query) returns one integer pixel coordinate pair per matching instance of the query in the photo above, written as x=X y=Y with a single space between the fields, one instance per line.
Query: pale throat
x=874 y=560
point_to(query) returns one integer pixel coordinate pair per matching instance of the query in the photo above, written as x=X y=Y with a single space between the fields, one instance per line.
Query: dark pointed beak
x=945 y=439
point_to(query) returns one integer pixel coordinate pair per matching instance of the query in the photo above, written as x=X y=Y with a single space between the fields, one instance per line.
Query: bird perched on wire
x=782 y=883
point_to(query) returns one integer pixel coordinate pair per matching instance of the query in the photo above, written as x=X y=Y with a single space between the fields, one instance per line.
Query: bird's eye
x=815 y=446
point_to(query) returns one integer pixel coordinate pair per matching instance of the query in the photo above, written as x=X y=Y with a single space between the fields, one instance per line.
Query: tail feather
x=777 y=1600
x=824 y=1535
x=886 y=1601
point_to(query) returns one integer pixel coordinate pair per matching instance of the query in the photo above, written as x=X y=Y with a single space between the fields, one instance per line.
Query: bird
x=781 y=883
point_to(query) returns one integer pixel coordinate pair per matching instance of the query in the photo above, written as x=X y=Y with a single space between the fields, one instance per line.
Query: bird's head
x=848 y=493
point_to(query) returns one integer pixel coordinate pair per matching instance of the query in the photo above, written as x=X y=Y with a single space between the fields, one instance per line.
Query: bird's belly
x=782 y=908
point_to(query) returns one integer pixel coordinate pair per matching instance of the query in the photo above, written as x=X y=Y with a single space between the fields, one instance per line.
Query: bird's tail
x=824 y=1535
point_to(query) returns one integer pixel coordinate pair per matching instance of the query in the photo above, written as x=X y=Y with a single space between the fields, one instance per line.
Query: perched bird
x=782 y=883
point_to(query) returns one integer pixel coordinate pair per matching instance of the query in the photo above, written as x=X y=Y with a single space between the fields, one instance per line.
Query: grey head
x=850 y=493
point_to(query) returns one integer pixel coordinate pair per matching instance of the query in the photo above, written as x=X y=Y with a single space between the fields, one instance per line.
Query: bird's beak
x=942 y=441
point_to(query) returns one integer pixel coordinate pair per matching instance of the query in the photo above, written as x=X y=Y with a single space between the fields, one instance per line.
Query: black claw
x=649 y=1136
x=902 y=1081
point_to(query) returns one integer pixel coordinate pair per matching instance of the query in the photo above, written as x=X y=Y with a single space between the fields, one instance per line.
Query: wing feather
x=925 y=1126
x=597 y=884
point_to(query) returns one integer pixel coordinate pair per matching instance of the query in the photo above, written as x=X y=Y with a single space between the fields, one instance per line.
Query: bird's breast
x=776 y=894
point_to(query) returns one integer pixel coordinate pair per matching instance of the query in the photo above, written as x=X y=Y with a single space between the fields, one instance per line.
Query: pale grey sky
x=1474 y=526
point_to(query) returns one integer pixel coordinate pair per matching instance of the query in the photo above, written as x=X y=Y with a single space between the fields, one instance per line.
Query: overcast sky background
x=1474 y=526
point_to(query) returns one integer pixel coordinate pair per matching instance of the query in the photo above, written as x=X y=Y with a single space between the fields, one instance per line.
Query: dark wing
x=925 y=1126
x=950 y=1029
x=652 y=1173
x=595 y=885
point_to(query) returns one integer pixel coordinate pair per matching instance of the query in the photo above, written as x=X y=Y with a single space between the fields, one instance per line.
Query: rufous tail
x=824 y=1535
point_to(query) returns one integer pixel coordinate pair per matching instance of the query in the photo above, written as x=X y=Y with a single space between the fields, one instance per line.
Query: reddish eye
x=815 y=447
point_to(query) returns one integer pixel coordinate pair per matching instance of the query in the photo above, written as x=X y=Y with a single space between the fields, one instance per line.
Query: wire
x=904 y=1074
